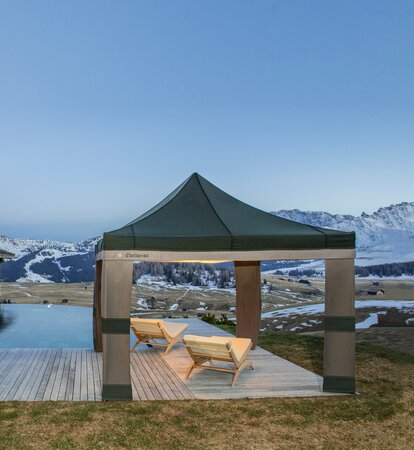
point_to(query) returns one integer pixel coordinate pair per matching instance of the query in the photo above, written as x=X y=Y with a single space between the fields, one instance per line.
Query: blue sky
x=106 y=106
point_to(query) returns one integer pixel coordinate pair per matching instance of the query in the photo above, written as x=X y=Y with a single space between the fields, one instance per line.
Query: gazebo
x=199 y=222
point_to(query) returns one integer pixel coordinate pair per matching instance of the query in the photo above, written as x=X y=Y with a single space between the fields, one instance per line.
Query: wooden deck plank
x=84 y=380
x=59 y=377
x=149 y=377
x=5 y=355
x=99 y=373
x=77 y=385
x=144 y=391
x=96 y=376
x=89 y=376
x=8 y=368
x=154 y=360
x=61 y=395
x=174 y=384
x=146 y=382
x=45 y=380
x=52 y=376
x=7 y=362
x=136 y=386
x=135 y=393
x=71 y=375
x=40 y=374
x=20 y=376
x=100 y=366
x=175 y=380
x=31 y=378
x=15 y=373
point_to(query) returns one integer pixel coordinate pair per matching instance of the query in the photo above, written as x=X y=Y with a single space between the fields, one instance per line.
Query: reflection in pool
x=51 y=326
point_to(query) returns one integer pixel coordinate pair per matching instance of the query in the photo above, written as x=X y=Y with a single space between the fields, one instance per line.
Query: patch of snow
x=203 y=306
x=54 y=255
x=142 y=303
x=400 y=304
x=319 y=308
x=62 y=269
x=372 y=319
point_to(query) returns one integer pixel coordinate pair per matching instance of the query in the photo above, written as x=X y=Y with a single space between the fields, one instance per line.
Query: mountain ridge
x=41 y=260
x=385 y=236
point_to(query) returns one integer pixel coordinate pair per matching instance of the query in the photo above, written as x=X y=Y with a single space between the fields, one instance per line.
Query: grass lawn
x=381 y=417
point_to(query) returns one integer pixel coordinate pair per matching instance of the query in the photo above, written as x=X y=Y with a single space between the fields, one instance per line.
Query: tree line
x=386 y=270
x=195 y=274
x=300 y=273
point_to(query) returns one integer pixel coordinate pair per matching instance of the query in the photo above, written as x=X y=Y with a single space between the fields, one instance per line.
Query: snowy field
x=302 y=318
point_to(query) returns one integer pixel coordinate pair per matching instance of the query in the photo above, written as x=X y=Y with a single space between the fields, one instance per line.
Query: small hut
x=5 y=255
x=375 y=291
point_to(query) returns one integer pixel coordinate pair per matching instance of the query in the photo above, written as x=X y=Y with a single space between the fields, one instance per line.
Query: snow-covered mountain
x=48 y=261
x=386 y=236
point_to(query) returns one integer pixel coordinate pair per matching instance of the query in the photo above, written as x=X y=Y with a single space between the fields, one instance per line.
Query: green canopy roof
x=198 y=216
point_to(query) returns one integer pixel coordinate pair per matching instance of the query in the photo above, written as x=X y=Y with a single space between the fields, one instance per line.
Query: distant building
x=5 y=255
x=375 y=291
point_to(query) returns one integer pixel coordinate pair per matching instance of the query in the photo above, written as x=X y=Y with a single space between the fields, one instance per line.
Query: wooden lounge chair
x=150 y=331
x=227 y=349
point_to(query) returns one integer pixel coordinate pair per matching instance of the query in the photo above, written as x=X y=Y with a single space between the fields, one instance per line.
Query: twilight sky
x=106 y=106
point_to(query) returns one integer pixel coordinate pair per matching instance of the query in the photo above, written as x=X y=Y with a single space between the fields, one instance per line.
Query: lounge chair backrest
x=208 y=346
x=147 y=326
x=164 y=330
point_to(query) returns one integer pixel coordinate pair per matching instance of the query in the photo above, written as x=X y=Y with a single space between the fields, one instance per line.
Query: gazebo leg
x=248 y=299
x=116 y=307
x=339 y=326
x=97 y=311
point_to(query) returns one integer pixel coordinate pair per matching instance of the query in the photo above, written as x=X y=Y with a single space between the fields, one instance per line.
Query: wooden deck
x=75 y=375
x=34 y=374
x=272 y=377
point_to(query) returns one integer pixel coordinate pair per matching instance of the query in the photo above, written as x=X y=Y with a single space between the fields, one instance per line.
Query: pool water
x=45 y=326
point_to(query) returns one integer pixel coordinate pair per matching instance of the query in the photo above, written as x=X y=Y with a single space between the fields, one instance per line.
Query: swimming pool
x=45 y=326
